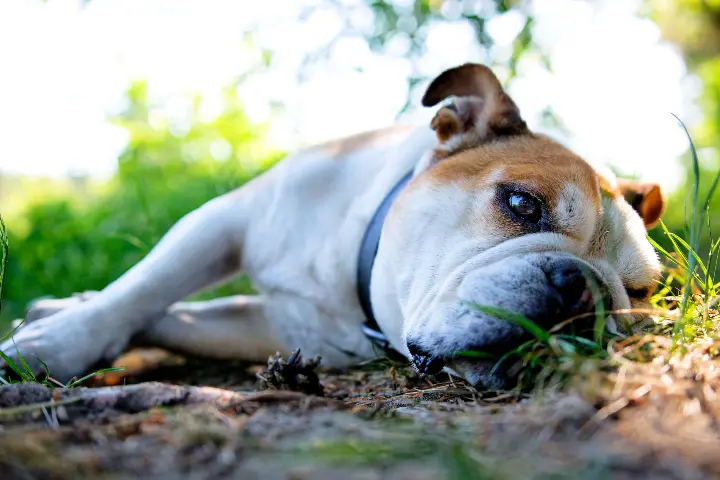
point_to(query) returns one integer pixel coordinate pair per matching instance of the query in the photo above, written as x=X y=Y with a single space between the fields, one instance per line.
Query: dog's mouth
x=490 y=364
x=480 y=368
x=484 y=374
x=432 y=364
x=427 y=364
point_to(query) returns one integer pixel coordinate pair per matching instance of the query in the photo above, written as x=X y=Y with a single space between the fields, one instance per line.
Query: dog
x=405 y=235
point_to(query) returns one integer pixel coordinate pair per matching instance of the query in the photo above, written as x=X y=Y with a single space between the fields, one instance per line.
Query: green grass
x=698 y=217
x=25 y=373
x=456 y=458
x=20 y=368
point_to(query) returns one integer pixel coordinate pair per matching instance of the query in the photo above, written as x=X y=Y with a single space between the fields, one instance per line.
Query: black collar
x=366 y=259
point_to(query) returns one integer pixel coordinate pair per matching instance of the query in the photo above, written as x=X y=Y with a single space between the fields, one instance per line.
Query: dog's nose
x=424 y=362
x=578 y=288
x=569 y=281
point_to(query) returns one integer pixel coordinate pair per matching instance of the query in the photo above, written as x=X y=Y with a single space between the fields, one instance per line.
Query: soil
x=374 y=422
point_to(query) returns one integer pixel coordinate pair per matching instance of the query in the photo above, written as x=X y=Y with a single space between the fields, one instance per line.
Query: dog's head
x=497 y=216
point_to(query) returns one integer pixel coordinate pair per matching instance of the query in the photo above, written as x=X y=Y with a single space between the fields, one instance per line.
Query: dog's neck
x=366 y=260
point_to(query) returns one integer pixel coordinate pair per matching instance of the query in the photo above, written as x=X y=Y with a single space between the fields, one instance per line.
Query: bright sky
x=65 y=68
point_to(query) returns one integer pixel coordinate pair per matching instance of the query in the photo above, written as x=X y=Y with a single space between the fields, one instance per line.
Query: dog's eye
x=524 y=206
x=639 y=293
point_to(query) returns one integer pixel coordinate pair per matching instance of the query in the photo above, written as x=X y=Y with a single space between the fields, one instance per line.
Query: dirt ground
x=656 y=420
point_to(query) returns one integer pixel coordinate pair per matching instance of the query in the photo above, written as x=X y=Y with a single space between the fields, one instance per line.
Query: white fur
x=296 y=232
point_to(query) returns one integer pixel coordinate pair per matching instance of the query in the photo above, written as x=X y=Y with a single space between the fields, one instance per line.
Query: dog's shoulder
x=343 y=147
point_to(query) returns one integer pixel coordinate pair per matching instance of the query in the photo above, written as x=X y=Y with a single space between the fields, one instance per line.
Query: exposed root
x=26 y=402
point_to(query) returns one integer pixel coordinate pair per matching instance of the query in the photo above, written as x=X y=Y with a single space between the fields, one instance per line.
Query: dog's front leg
x=202 y=248
x=236 y=327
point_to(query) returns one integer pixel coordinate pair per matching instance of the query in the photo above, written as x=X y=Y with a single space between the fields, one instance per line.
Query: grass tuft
x=20 y=368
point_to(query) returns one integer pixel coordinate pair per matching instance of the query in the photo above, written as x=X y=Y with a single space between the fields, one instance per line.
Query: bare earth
x=656 y=419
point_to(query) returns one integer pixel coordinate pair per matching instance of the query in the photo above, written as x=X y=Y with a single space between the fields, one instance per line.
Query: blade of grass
x=584 y=341
x=599 y=296
x=694 y=235
x=9 y=362
x=25 y=366
x=676 y=247
x=477 y=354
x=670 y=257
x=47 y=373
x=5 y=248
x=104 y=370
x=11 y=332
x=660 y=249
x=711 y=192
x=565 y=346
x=520 y=320
x=682 y=242
x=515 y=351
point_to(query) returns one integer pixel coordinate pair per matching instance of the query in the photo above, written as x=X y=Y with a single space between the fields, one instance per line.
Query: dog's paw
x=50 y=306
x=68 y=342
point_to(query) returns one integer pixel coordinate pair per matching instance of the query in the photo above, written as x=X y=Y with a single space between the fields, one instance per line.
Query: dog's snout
x=579 y=290
x=558 y=292
x=570 y=281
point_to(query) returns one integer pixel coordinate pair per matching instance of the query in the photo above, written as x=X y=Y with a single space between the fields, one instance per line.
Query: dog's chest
x=310 y=221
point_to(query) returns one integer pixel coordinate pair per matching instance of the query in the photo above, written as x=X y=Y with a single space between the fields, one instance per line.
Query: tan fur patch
x=533 y=161
x=646 y=198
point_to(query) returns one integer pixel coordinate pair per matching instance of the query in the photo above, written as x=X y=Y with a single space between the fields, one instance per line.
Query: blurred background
x=117 y=117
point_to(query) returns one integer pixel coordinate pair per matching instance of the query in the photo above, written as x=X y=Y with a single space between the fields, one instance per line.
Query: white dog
x=481 y=212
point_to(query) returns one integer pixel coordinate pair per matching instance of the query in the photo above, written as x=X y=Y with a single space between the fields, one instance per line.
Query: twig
x=614 y=407
x=646 y=311
x=9 y=412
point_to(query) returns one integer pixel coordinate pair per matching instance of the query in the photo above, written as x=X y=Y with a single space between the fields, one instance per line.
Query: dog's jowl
x=410 y=239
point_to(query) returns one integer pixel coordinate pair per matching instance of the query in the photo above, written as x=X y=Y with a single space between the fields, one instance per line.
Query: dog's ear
x=482 y=111
x=646 y=198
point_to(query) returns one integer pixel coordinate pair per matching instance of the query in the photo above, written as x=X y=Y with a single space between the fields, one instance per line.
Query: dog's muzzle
x=557 y=292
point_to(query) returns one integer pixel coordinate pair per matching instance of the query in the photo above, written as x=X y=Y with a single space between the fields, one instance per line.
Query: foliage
x=401 y=29
x=86 y=238
x=694 y=26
